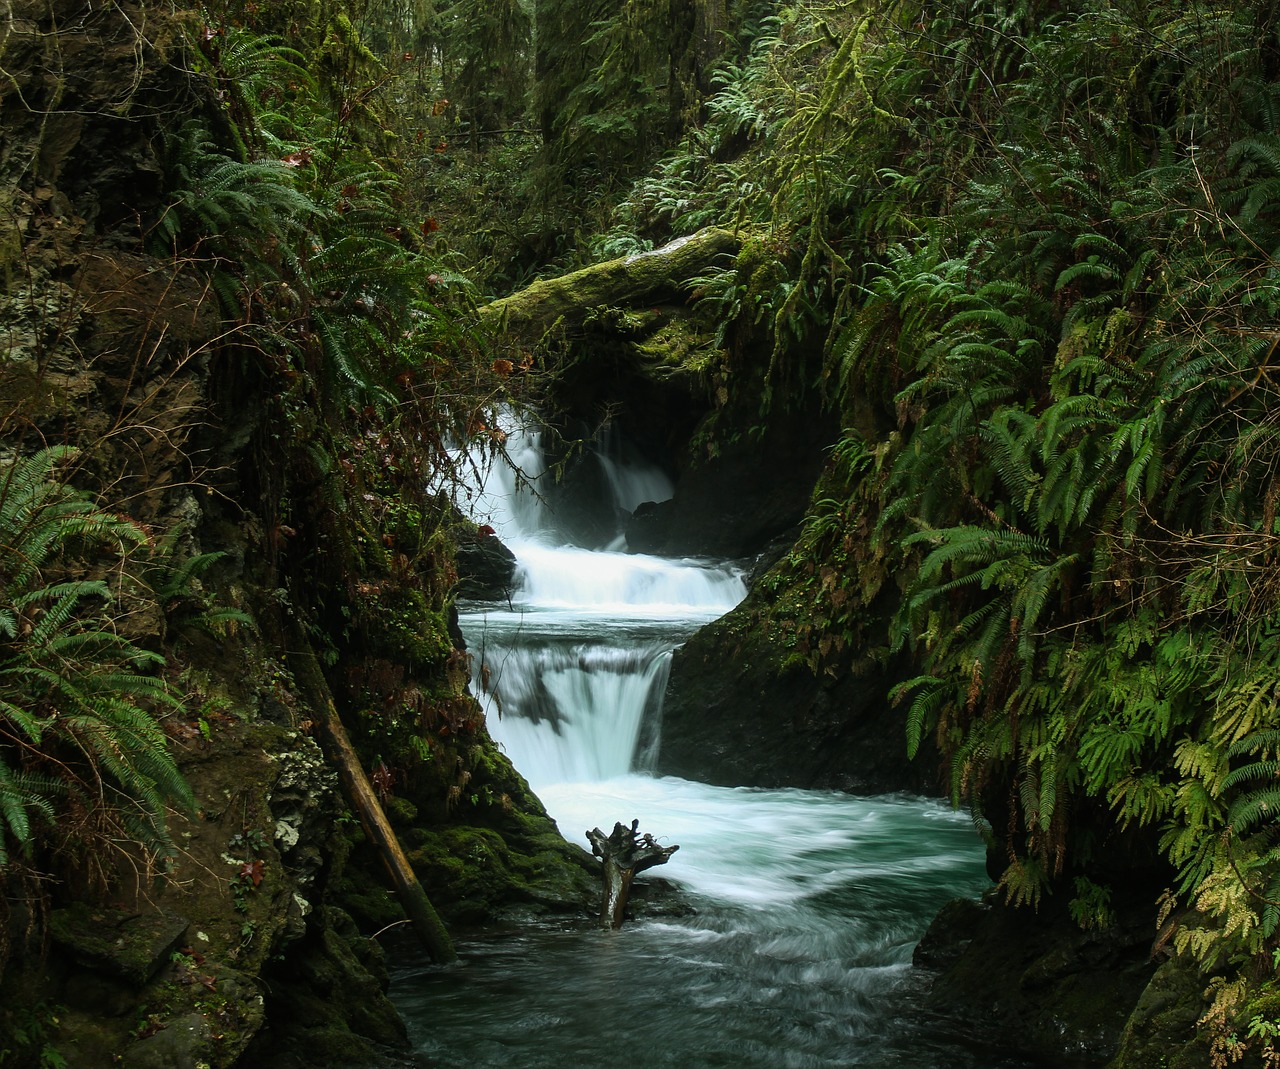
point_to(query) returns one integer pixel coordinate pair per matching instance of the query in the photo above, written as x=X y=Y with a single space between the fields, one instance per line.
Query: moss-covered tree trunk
x=629 y=279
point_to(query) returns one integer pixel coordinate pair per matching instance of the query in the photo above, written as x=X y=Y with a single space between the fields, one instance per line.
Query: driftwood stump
x=624 y=853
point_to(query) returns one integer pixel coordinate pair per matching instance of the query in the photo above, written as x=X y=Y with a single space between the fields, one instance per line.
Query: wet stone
x=131 y=946
x=180 y=1045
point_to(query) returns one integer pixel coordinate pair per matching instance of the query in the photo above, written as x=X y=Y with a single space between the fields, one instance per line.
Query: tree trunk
x=624 y=853
x=337 y=745
x=712 y=22
x=537 y=308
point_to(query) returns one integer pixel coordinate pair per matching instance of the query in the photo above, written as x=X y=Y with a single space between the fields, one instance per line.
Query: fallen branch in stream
x=624 y=853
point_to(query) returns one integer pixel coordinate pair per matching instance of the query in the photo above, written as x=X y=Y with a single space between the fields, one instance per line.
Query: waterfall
x=630 y=480
x=571 y=669
x=806 y=903
x=506 y=492
x=573 y=711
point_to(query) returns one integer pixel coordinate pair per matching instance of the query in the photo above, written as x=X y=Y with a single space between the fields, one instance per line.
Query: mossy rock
x=474 y=875
x=1161 y=1030
x=1033 y=982
x=403 y=627
x=327 y=1004
x=132 y=946
x=194 y=1013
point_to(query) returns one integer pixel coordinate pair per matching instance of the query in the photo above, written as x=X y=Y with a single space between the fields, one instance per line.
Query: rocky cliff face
x=102 y=344
x=242 y=942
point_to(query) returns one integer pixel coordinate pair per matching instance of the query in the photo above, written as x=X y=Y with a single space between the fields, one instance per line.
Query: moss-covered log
x=537 y=308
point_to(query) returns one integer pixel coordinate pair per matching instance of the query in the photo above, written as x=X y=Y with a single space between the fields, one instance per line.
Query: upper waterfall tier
x=513 y=498
x=623 y=584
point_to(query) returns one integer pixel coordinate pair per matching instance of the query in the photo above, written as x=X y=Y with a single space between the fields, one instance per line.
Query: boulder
x=1033 y=982
x=131 y=946
x=737 y=714
x=486 y=567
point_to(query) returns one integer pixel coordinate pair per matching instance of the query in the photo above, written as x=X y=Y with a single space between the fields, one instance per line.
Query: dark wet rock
x=1033 y=982
x=92 y=992
x=737 y=715
x=649 y=527
x=328 y=1005
x=1162 y=1028
x=131 y=946
x=950 y=934
x=181 y=1044
x=754 y=488
x=486 y=567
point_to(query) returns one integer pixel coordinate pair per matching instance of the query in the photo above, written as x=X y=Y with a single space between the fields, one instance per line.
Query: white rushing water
x=808 y=903
x=576 y=660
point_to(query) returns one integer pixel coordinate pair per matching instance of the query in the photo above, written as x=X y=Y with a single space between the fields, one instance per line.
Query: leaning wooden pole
x=337 y=744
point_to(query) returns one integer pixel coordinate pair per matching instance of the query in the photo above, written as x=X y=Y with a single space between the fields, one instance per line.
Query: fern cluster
x=1039 y=244
x=83 y=757
x=347 y=320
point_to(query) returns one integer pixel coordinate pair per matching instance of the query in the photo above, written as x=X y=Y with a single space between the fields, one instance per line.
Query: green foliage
x=1028 y=250
x=570 y=101
x=83 y=757
x=31 y=1030
x=1091 y=907
x=172 y=571
x=303 y=222
x=489 y=42
x=230 y=212
x=607 y=85
x=1039 y=244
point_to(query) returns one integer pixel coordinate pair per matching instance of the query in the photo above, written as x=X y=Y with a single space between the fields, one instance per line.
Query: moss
x=535 y=309
x=133 y=945
x=680 y=345
x=1161 y=1030
x=328 y=1004
x=400 y=624
x=401 y=812
x=370 y=904
x=473 y=874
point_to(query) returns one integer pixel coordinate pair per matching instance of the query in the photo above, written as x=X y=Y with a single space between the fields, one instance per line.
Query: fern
x=241 y=215
x=929 y=694
x=78 y=707
x=24 y=796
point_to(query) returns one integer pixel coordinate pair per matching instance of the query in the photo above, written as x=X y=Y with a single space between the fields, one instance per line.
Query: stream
x=806 y=904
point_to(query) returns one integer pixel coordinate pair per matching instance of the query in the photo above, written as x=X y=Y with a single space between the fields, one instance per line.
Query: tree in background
x=487 y=44
x=616 y=82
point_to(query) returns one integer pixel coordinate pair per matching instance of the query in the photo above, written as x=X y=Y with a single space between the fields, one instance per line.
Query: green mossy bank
x=244 y=486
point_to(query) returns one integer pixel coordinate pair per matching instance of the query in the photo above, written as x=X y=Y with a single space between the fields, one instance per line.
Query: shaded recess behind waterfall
x=744 y=468
x=734 y=713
